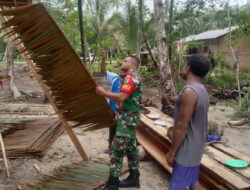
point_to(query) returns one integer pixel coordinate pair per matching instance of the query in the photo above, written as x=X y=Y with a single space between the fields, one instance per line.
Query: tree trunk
x=145 y=39
x=170 y=29
x=236 y=61
x=110 y=56
x=14 y=92
x=82 y=33
x=168 y=89
x=96 y=48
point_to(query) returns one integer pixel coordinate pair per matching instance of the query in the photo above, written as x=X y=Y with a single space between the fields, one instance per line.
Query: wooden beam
x=223 y=175
x=4 y=156
x=222 y=158
x=46 y=91
x=232 y=152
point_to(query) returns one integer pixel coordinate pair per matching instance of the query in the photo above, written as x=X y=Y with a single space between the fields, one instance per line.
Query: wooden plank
x=222 y=174
x=46 y=90
x=163 y=117
x=222 y=158
x=157 y=152
x=161 y=130
x=232 y=152
x=219 y=177
x=157 y=147
x=4 y=156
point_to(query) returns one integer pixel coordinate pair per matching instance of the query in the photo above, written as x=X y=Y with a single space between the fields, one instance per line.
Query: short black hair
x=199 y=65
x=136 y=60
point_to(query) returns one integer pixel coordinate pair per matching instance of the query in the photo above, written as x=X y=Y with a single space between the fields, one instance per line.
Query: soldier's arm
x=117 y=97
x=125 y=91
x=103 y=63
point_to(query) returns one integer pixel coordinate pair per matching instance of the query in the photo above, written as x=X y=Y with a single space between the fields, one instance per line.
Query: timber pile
x=14 y=3
x=31 y=138
x=213 y=173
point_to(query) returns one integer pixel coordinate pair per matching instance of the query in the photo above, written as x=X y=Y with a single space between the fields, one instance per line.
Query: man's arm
x=117 y=97
x=103 y=63
x=188 y=102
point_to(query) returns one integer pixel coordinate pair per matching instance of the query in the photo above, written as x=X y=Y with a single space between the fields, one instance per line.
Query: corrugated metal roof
x=211 y=34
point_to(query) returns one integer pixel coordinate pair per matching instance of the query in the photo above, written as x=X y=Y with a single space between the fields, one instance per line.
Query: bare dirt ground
x=63 y=152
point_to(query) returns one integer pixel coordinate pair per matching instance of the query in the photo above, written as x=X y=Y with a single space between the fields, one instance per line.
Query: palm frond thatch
x=85 y=176
x=61 y=69
x=14 y=3
x=31 y=138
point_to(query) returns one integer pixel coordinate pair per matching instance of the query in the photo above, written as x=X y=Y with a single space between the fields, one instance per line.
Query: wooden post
x=4 y=156
x=46 y=91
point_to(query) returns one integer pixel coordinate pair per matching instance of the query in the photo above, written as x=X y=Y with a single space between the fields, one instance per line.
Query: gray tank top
x=190 y=151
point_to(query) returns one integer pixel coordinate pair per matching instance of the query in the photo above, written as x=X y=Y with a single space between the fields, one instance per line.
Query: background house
x=217 y=42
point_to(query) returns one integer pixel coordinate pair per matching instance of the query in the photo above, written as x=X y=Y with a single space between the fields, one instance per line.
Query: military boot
x=132 y=180
x=112 y=184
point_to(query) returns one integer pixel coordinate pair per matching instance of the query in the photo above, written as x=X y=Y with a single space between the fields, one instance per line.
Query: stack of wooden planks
x=213 y=172
x=31 y=138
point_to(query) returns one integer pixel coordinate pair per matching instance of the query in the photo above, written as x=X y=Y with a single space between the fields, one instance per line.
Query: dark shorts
x=183 y=177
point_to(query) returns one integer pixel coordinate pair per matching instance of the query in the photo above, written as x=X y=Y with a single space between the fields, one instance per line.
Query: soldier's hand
x=104 y=55
x=100 y=91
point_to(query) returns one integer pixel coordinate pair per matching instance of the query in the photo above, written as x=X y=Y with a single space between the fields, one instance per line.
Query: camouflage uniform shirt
x=128 y=112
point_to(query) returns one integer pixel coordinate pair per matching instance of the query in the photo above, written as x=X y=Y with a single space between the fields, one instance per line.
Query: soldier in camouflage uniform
x=128 y=118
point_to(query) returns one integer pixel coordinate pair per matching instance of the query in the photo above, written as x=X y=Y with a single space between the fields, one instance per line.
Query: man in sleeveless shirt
x=190 y=126
x=128 y=118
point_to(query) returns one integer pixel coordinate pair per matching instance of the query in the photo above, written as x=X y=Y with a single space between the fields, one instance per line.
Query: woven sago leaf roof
x=71 y=84
x=14 y=3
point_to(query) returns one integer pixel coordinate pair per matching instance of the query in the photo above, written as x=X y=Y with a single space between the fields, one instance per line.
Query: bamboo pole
x=46 y=91
x=4 y=156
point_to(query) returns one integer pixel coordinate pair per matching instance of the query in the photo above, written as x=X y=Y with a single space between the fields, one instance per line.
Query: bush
x=21 y=98
x=241 y=112
x=224 y=80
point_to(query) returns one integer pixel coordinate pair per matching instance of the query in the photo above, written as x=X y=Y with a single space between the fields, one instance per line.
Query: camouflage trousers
x=123 y=146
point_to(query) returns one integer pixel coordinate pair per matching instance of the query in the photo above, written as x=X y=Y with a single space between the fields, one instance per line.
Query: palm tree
x=143 y=30
x=130 y=27
x=98 y=11
x=82 y=34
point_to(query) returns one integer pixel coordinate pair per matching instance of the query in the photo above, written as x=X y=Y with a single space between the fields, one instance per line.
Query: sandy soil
x=236 y=137
x=63 y=152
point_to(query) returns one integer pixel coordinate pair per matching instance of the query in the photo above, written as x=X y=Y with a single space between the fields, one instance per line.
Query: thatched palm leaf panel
x=31 y=138
x=14 y=3
x=72 y=86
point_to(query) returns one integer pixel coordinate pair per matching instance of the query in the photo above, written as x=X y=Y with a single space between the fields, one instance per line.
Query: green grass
x=21 y=98
x=154 y=84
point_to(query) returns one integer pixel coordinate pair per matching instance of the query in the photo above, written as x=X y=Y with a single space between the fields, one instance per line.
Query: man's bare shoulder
x=189 y=95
